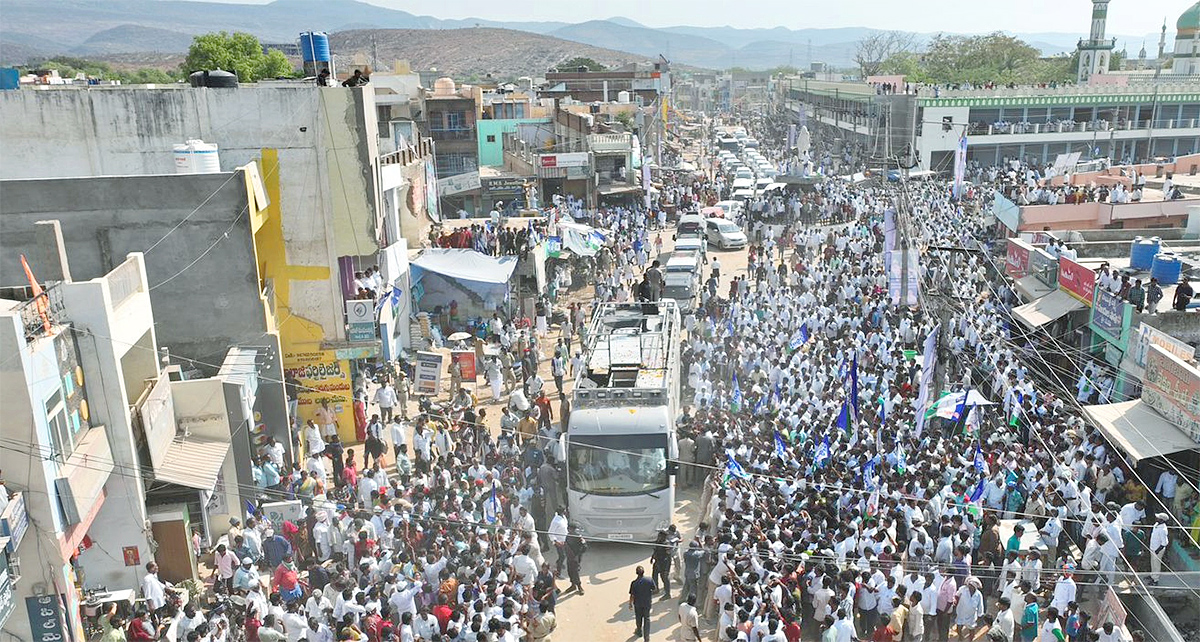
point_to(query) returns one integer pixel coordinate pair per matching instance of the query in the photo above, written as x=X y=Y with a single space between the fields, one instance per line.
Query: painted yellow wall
x=326 y=386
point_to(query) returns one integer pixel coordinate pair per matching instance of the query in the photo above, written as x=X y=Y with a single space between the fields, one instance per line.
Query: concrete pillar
x=52 y=252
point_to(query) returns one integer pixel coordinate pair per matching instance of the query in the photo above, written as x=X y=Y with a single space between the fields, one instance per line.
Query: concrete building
x=646 y=81
x=1139 y=120
x=327 y=197
x=79 y=354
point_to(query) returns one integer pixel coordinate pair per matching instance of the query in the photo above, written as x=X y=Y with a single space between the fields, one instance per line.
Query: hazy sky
x=1130 y=17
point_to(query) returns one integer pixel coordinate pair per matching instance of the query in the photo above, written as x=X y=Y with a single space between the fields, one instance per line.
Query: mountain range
x=34 y=29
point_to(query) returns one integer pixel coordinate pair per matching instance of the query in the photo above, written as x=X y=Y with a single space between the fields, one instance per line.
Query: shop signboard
x=1111 y=318
x=1016 y=263
x=1172 y=387
x=1076 y=280
x=1147 y=336
x=14 y=522
x=8 y=597
x=45 y=618
x=323 y=389
x=466 y=363
x=509 y=187
x=572 y=159
x=428 y=373
x=360 y=315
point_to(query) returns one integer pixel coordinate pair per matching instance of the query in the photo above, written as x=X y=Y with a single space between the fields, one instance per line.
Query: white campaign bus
x=620 y=440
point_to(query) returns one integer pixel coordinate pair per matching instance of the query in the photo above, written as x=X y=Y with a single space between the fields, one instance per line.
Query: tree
x=239 y=53
x=575 y=63
x=877 y=47
x=784 y=70
x=70 y=67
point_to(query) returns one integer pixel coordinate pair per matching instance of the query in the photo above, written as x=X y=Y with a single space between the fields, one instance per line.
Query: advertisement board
x=466 y=363
x=1111 y=318
x=1076 y=280
x=323 y=389
x=572 y=159
x=428 y=373
x=510 y=187
x=1147 y=336
x=1016 y=262
x=1172 y=387
x=276 y=513
x=8 y=597
x=360 y=315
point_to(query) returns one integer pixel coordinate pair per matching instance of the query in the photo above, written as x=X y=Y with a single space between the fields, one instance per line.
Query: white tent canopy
x=1138 y=430
x=1047 y=309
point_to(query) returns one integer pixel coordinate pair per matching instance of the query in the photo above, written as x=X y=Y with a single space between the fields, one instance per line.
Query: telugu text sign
x=1172 y=387
x=428 y=373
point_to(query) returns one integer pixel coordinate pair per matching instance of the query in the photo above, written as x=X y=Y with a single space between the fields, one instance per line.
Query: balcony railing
x=452 y=133
x=1068 y=126
x=420 y=149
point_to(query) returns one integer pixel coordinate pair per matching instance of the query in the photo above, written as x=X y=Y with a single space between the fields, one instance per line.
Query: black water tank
x=215 y=78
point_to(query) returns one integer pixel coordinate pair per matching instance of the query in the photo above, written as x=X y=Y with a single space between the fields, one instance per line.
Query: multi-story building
x=1138 y=121
x=327 y=203
x=644 y=81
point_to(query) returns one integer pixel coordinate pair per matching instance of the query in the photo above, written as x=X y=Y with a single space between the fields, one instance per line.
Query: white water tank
x=623 y=97
x=196 y=157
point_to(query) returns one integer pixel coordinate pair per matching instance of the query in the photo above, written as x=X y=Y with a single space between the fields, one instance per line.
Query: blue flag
x=795 y=343
x=495 y=506
x=780 y=446
x=760 y=406
x=843 y=420
x=729 y=326
x=868 y=471
x=901 y=459
x=978 y=492
x=822 y=453
x=854 y=386
x=733 y=469
x=804 y=332
x=980 y=463
x=776 y=398
x=960 y=410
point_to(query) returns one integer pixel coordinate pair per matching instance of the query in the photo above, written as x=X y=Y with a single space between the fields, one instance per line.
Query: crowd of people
x=831 y=505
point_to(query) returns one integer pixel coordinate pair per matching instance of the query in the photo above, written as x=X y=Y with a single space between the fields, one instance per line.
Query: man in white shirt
x=689 y=621
x=154 y=589
x=558 y=535
x=1165 y=488
x=386 y=398
x=1004 y=620
x=1158 y=546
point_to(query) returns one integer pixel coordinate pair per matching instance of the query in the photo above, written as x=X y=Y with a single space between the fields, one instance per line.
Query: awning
x=1137 y=429
x=193 y=462
x=1047 y=309
x=1031 y=287
x=465 y=265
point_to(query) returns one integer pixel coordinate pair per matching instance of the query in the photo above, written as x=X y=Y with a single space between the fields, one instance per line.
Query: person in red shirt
x=141 y=629
x=443 y=613
x=252 y=624
x=883 y=633
x=791 y=630
x=286 y=580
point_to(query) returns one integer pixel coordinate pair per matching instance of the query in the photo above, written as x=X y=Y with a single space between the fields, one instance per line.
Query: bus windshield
x=617 y=464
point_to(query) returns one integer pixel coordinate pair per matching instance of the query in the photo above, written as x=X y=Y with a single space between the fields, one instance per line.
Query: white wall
x=932 y=138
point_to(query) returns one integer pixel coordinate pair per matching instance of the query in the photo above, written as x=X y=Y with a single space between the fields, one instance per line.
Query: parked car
x=724 y=234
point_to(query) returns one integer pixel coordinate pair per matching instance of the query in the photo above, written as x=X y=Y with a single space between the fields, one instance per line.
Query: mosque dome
x=1190 y=19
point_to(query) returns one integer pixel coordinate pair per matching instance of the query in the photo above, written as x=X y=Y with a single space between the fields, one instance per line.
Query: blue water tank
x=1166 y=268
x=10 y=78
x=314 y=46
x=1143 y=251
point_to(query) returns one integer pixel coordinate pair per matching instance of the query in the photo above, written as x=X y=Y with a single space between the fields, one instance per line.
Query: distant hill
x=503 y=53
x=39 y=28
x=130 y=38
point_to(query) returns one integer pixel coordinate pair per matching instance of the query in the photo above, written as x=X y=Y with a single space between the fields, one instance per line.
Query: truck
x=620 y=442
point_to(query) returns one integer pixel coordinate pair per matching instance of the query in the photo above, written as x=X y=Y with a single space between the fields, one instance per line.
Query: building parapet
x=419 y=150
x=610 y=143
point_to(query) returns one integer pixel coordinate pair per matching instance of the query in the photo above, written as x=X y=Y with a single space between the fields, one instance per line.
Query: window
x=491 y=138
x=455 y=120
x=62 y=436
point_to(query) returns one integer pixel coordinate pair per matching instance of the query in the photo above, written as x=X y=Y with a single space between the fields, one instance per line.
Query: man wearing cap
x=1158 y=546
x=246 y=576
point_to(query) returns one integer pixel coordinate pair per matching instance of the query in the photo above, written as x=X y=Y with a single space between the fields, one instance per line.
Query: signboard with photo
x=1016 y=262
x=1111 y=317
x=1172 y=387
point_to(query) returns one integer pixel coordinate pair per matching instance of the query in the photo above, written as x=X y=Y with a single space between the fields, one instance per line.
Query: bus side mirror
x=672 y=468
